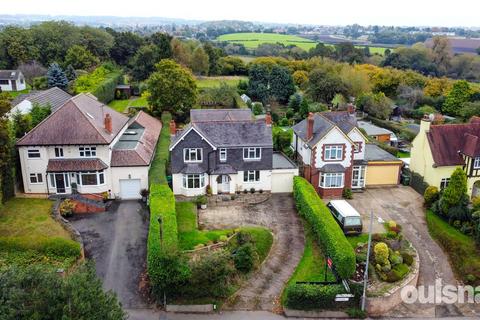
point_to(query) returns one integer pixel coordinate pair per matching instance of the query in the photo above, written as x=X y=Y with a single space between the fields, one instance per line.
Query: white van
x=347 y=217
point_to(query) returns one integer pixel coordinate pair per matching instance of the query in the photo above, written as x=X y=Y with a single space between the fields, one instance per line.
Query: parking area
x=116 y=240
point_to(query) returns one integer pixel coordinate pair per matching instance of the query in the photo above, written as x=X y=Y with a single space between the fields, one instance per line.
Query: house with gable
x=12 y=80
x=438 y=150
x=334 y=155
x=85 y=147
x=229 y=151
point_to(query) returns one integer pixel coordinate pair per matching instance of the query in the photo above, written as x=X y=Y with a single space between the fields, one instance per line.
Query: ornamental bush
x=327 y=231
x=381 y=253
x=430 y=196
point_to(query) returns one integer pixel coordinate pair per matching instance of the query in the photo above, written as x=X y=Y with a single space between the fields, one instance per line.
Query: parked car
x=347 y=217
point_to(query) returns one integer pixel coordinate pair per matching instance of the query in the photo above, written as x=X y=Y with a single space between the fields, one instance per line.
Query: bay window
x=251 y=176
x=192 y=155
x=91 y=178
x=333 y=153
x=332 y=180
x=193 y=181
x=252 y=153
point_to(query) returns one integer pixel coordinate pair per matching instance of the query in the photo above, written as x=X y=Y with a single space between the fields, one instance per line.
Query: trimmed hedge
x=312 y=297
x=101 y=82
x=59 y=247
x=157 y=173
x=329 y=235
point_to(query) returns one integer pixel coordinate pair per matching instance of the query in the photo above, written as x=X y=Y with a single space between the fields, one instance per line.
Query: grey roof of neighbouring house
x=375 y=153
x=280 y=161
x=54 y=97
x=373 y=130
x=10 y=74
x=209 y=115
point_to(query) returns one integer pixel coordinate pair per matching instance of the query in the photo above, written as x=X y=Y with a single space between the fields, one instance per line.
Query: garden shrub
x=476 y=203
x=61 y=247
x=407 y=258
x=347 y=193
x=430 y=195
x=101 y=82
x=328 y=233
x=66 y=208
x=381 y=253
x=310 y=296
x=243 y=258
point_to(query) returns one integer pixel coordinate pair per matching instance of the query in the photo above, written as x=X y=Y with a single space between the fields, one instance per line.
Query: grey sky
x=366 y=12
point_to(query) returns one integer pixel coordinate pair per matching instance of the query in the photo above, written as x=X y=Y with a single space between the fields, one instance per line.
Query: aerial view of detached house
x=91 y=148
x=227 y=151
x=438 y=150
x=12 y=80
x=334 y=155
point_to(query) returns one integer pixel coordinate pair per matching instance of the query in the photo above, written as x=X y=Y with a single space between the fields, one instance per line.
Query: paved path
x=405 y=206
x=263 y=290
x=116 y=240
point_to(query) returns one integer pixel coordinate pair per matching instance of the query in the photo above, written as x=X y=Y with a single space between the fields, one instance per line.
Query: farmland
x=252 y=40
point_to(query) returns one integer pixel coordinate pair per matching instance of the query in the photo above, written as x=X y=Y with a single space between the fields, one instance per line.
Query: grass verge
x=157 y=172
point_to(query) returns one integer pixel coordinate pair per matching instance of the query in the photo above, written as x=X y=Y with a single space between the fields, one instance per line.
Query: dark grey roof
x=371 y=129
x=202 y=115
x=342 y=119
x=54 y=97
x=332 y=168
x=236 y=133
x=375 y=153
x=24 y=96
x=224 y=169
x=280 y=161
x=10 y=74
x=192 y=168
x=320 y=128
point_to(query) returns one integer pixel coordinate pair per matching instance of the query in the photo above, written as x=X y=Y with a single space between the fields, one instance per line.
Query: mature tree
x=375 y=104
x=457 y=97
x=181 y=53
x=294 y=102
x=417 y=57
x=70 y=73
x=469 y=110
x=199 y=61
x=321 y=50
x=56 y=77
x=437 y=87
x=6 y=152
x=214 y=54
x=410 y=96
x=32 y=70
x=346 y=52
x=442 y=54
x=356 y=81
x=143 y=62
x=16 y=47
x=300 y=78
x=281 y=84
x=80 y=58
x=43 y=294
x=98 y=41
x=172 y=88
x=21 y=124
x=231 y=66
x=455 y=191
x=258 y=77
x=125 y=46
x=324 y=85
x=38 y=113
x=162 y=43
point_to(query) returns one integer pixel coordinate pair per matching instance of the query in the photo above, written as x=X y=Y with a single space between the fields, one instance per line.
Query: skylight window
x=88 y=114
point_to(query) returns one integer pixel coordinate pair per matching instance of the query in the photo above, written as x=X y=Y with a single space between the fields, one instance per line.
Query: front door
x=225 y=184
x=60 y=182
x=14 y=85
x=358 y=177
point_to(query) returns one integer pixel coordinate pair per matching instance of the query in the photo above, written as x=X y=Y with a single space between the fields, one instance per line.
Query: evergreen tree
x=56 y=77
x=281 y=84
x=455 y=192
x=457 y=97
x=70 y=73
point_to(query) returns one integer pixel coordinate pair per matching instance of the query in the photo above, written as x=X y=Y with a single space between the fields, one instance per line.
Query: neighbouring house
x=229 y=151
x=333 y=155
x=12 y=80
x=53 y=97
x=378 y=133
x=87 y=147
x=439 y=149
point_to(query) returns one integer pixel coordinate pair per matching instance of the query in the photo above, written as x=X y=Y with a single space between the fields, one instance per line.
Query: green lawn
x=29 y=235
x=157 y=172
x=462 y=250
x=210 y=82
x=15 y=94
x=355 y=240
x=121 y=105
x=401 y=154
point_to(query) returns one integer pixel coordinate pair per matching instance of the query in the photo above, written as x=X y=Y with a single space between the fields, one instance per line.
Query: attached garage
x=282 y=174
x=130 y=189
x=383 y=169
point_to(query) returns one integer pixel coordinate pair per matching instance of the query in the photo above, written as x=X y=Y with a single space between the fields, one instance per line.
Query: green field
x=251 y=40
x=210 y=82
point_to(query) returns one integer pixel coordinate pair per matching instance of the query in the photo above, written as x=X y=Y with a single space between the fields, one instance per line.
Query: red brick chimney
x=310 y=126
x=108 y=123
x=173 y=128
x=268 y=119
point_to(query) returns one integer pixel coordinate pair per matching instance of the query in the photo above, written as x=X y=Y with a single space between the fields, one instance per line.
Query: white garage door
x=282 y=180
x=130 y=189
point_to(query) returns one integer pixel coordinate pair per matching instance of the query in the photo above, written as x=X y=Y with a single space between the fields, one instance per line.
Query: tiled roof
x=224 y=169
x=73 y=165
x=371 y=129
x=9 y=74
x=192 y=168
x=332 y=168
x=342 y=119
x=54 y=97
x=79 y=121
x=201 y=115
x=321 y=126
x=447 y=142
x=136 y=146
x=280 y=161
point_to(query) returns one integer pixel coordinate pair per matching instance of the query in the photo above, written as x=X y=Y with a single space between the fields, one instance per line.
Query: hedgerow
x=56 y=246
x=157 y=173
x=312 y=296
x=328 y=233
x=101 y=82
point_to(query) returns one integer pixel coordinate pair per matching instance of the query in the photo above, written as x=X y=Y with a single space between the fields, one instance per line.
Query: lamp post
x=365 y=274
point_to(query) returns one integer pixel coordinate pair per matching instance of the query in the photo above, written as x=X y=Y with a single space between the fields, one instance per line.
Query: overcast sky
x=327 y=12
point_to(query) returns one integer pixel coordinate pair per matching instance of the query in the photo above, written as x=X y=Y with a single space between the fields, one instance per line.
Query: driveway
x=405 y=206
x=263 y=290
x=116 y=240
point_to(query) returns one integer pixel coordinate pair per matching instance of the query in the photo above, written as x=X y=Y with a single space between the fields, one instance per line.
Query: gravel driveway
x=262 y=291
x=116 y=240
x=405 y=206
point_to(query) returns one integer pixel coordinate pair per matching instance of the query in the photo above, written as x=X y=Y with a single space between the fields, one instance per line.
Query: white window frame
x=91 y=150
x=98 y=174
x=30 y=152
x=38 y=178
x=193 y=176
x=222 y=154
x=250 y=153
x=58 y=152
x=357 y=147
x=66 y=178
x=334 y=176
x=251 y=176
x=444 y=183
x=190 y=152
x=335 y=153
x=476 y=163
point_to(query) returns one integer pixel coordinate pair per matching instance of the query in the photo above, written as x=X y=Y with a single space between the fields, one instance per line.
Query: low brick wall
x=81 y=207
x=377 y=306
x=74 y=233
x=314 y=314
x=190 y=308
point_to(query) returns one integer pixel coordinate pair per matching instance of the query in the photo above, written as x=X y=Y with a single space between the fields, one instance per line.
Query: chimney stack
x=310 y=126
x=351 y=108
x=268 y=119
x=173 y=128
x=108 y=123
